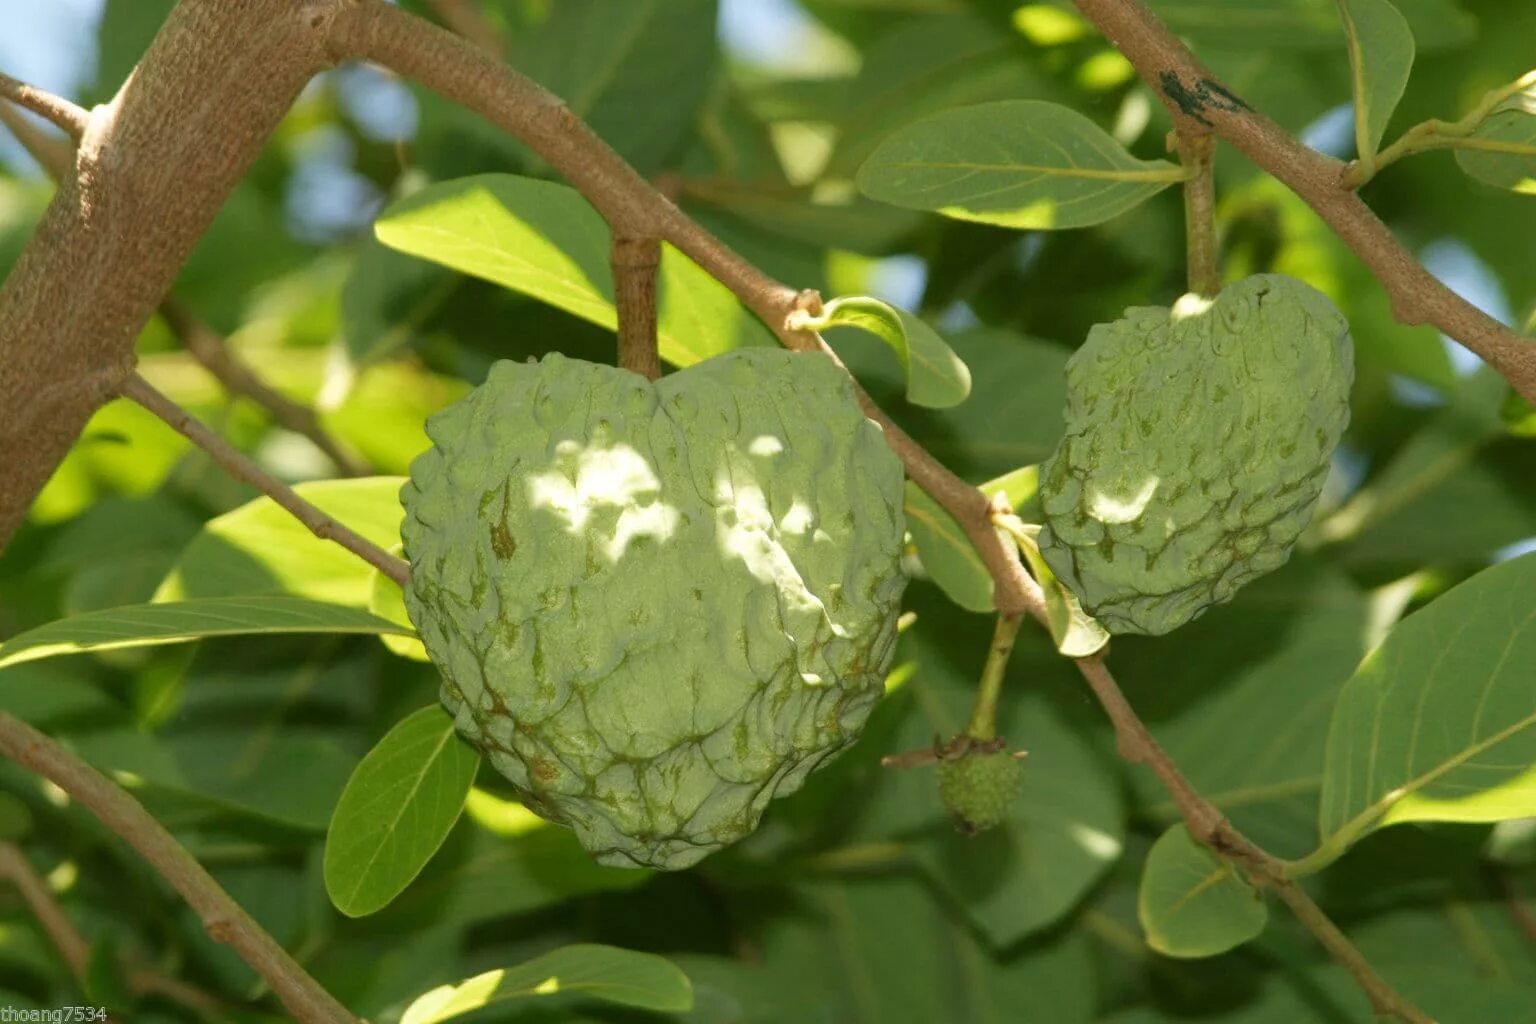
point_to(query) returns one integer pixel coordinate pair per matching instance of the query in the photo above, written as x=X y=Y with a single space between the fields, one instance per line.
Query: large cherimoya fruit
x=1197 y=441
x=655 y=607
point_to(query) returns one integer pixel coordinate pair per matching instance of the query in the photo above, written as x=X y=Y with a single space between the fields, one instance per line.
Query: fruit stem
x=983 y=724
x=1197 y=152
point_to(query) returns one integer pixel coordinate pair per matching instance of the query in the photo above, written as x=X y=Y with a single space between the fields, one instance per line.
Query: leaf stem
x=635 y=261
x=1437 y=134
x=1197 y=152
x=223 y=918
x=983 y=723
x=242 y=467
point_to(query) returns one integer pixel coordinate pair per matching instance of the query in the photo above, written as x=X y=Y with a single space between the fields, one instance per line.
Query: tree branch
x=1192 y=92
x=634 y=290
x=242 y=467
x=443 y=62
x=1209 y=826
x=76 y=951
x=210 y=350
x=56 y=158
x=222 y=916
x=62 y=113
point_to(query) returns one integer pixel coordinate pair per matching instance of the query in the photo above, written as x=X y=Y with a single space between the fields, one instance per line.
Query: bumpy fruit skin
x=1196 y=444
x=657 y=606
x=979 y=789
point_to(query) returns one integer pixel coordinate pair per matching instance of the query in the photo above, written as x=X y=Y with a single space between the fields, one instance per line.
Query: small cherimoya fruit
x=979 y=788
x=655 y=607
x=1197 y=441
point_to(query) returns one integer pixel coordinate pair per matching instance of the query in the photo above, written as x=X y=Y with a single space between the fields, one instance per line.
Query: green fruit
x=657 y=606
x=979 y=789
x=1197 y=442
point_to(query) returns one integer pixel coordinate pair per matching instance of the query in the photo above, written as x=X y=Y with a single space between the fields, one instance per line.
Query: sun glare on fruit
x=1109 y=508
x=587 y=479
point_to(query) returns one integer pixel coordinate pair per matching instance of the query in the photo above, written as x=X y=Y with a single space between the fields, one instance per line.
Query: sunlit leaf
x=1193 y=903
x=1016 y=163
x=1502 y=149
x=149 y=625
x=396 y=811
x=644 y=981
x=260 y=548
x=936 y=377
x=544 y=240
x=1438 y=723
x=1380 y=58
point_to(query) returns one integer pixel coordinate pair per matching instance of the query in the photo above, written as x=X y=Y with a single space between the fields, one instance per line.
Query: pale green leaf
x=396 y=811
x=149 y=625
x=1439 y=722
x=1502 y=149
x=1380 y=58
x=1192 y=903
x=644 y=981
x=1015 y=163
x=946 y=552
x=1075 y=633
x=260 y=548
x=936 y=377
x=544 y=240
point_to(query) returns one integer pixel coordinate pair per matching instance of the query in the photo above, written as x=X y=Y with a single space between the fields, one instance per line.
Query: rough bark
x=153 y=168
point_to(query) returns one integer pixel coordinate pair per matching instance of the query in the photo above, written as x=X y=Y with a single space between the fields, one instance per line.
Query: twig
x=1193 y=93
x=210 y=350
x=34 y=891
x=1196 y=152
x=383 y=33
x=634 y=290
x=1438 y=134
x=241 y=467
x=76 y=951
x=64 y=114
x=983 y=723
x=223 y=918
x=1208 y=825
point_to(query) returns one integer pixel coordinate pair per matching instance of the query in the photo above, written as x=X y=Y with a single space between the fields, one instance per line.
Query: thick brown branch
x=1192 y=92
x=154 y=166
x=222 y=916
x=62 y=113
x=241 y=467
x=239 y=379
x=635 y=261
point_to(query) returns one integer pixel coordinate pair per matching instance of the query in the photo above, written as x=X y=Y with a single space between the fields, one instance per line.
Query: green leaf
x=1380 y=58
x=1247 y=720
x=386 y=297
x=1501 y=150
x=150 y=625
x=644 y=981
x=1303 y=24
x=636 y=71
x=936 y=377
x=544 y=240
x=1437 y=724
x=946 y=552
x=396 y=811
x=1076 y=633
x=260 y=548
x=1015 y=163
x=1193 y=903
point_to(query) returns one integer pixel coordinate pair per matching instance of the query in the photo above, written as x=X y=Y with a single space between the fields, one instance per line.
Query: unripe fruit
x=979 y=789
x=657 y=606
x=1197 y=442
